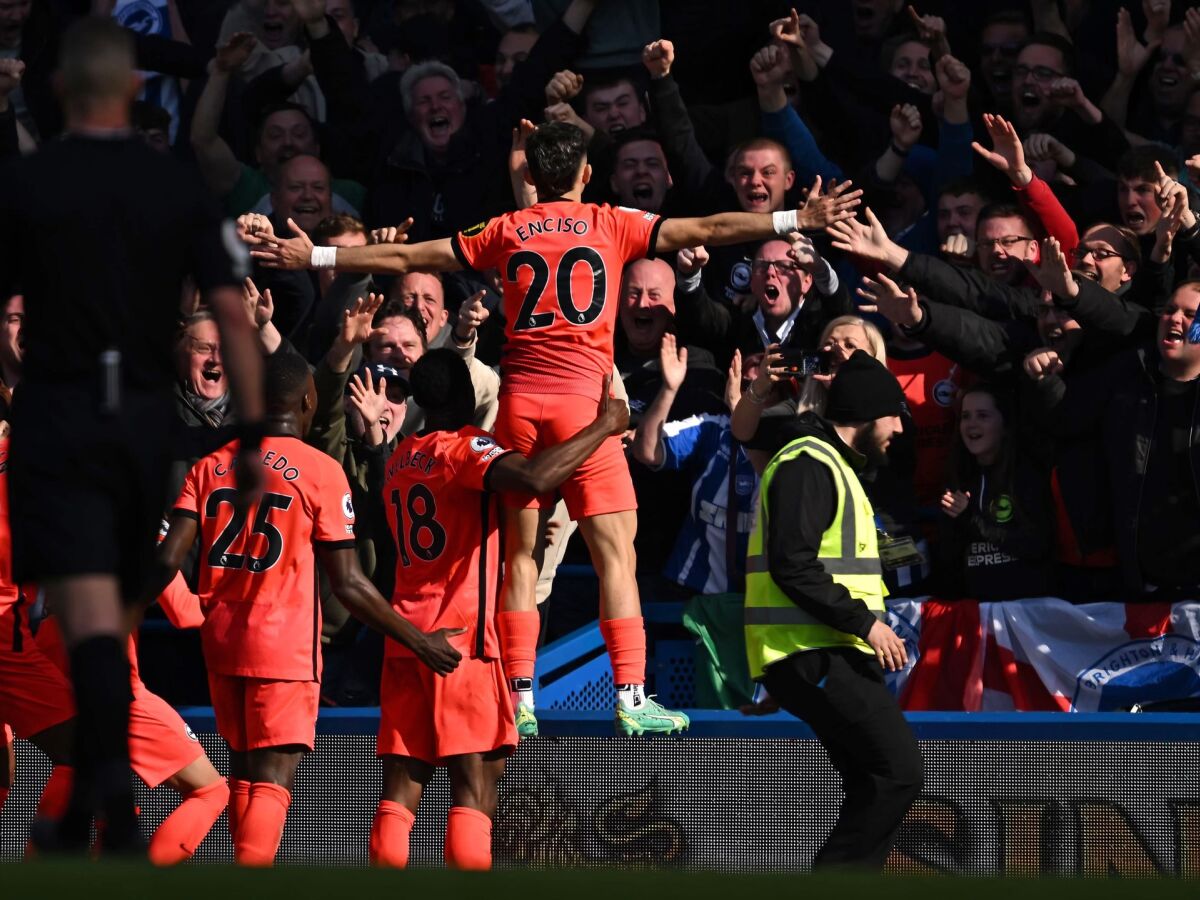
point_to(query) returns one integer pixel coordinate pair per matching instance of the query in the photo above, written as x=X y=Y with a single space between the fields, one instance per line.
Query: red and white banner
x=1045 y=654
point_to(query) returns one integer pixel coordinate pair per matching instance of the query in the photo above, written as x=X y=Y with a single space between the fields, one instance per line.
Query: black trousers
x=841 y=694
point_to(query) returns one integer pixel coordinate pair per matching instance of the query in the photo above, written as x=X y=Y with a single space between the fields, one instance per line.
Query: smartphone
x=800 y=364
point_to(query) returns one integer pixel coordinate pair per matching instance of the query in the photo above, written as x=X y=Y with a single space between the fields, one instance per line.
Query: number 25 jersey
x=258 y=576
x=561 y=264
x=446 y=526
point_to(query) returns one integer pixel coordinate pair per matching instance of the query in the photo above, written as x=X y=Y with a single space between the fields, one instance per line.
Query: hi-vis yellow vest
x=775 y=626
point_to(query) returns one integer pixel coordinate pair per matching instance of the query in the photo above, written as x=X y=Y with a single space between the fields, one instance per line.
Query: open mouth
x=757 y=198
x=616 y=127
x=439 y=127
x=1135 y=218
x=1001 y=74
x=273 y=34
x=1089 y=272
x=1030 y=98
x=642 y=321
x=643 y=191
x=915 y=84
x=1000 y=267
x=384 y=421
x=306 y=209
x=1173 y=337
x=211 y=374
x=771 y=292
x=1168 y=81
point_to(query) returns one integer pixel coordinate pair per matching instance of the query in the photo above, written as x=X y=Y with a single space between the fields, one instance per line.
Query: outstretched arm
x=297 y=253
x=550 y=468
x=819 y=211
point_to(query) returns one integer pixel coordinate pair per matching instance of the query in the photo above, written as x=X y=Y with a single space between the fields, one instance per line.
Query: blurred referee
x=99 y=231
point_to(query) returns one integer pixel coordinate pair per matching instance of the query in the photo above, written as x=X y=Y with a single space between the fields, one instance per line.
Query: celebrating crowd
x=1021 y=260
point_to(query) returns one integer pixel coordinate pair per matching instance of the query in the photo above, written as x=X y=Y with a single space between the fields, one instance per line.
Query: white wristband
x=323 y=257
x=785 y=222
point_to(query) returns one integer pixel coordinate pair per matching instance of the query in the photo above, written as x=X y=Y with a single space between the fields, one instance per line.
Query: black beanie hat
x=863 y=390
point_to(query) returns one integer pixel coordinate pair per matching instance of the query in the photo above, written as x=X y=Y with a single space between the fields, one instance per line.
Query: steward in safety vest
x=816 y=631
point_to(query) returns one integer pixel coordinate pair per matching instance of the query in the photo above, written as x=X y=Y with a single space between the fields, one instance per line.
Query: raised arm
x=220 y=168
x=648 y=439
x=550 y=468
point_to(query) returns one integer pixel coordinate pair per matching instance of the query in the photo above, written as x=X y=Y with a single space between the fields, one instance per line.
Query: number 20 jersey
x=258 y=576
x=446 y=526
x=561 y=264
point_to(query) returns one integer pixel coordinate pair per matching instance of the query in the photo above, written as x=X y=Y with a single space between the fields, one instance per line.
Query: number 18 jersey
x=561 y=264
x=446 y=526
x=258 y=576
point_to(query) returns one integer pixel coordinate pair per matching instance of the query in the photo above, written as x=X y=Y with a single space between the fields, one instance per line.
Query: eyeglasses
x=204 y=348
x=1039 y=73
x=763 y=266
x=1006 y=242
x=1098 y=253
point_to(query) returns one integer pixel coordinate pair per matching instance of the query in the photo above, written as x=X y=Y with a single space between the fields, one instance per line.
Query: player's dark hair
x=555 y=154
x=441 y=386
x=1137 y=163
x=395 y=309
x=285 y=380
x=1059 y=43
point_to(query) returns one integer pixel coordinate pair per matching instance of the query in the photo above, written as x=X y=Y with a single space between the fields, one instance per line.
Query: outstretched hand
x=867 y=240
x=356 y=321
x=293 y=254
x=1007 y=153
x=821 y=210
x=884 y=296
x=1052 y=271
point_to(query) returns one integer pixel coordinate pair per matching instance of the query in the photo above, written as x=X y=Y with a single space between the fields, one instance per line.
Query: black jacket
x=802 y=504
x=1119 y=400
x=1002 y=546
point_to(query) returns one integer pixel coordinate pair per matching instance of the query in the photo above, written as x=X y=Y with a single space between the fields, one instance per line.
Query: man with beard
x=816 y=630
